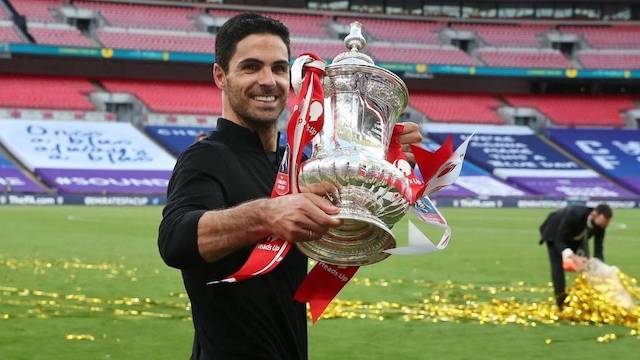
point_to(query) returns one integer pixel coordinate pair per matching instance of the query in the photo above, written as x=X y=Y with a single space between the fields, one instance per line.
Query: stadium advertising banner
x=176 y=139
x=473 y=181
x=516 y=154
x=89 y=157
x=613 y=152
x=13 y=180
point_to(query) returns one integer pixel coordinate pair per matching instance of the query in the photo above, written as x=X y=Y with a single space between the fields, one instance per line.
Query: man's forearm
x=221 y=232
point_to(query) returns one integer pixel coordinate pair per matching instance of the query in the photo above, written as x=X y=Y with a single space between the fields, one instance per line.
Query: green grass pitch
x=88 y=283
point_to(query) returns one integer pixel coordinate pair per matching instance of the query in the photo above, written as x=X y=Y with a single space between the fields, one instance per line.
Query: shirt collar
x=238 y=136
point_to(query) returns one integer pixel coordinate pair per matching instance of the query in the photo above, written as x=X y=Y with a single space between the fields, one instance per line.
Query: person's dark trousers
x=557 y=275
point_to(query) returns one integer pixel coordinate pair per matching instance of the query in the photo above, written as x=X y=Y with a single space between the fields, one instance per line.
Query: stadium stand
x=424 y=54
x=619 y=36
x=325 y=49
x=58 y=34
x=610 y=59
x=8 y=33
x=300 y=25
x=526 y=35
x=457 y=108
x=37 y=10
x=52 y=92
x=148 y=39
x=522 y=57
x=577 y=110
x=172 y=97
x=420 y=32
x=4 y=15
x=143 y=16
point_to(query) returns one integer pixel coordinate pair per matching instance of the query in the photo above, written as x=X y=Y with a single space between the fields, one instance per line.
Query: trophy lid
x=355 y=42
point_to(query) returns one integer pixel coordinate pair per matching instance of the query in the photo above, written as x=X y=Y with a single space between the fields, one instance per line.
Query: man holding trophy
x=219 y=209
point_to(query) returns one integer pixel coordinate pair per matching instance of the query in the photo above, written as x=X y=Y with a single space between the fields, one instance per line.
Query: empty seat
x=9 y=34
x=427 y=55
x=610 y=59
x=299 y=24
x=144 y=16
x=45 y=92
x=619 y=36
x=38 y=10
x=58 y=34
x=516 y=57
x=144 y=39
x=422 y=32
x=507 y=35
x=577 y=110
x=457 y=108
x=172 y=97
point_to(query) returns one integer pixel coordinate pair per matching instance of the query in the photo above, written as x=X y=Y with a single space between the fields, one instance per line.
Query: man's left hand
x=410 y=135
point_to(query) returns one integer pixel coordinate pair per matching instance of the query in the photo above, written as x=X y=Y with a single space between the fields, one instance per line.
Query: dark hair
x=605 y=210
x=239 y=27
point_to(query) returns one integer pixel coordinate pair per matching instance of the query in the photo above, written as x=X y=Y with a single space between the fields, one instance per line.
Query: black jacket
x=567 y=228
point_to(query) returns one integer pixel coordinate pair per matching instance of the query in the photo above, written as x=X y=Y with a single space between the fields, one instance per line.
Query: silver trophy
x=348 y=163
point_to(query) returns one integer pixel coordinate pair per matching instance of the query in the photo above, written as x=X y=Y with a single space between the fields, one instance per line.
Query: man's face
x=256 y=86
x=599 y=220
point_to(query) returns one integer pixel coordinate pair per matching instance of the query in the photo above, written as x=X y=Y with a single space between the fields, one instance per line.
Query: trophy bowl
x=348 y=162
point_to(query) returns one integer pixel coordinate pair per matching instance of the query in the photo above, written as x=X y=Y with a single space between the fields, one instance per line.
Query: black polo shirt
x=252 y=319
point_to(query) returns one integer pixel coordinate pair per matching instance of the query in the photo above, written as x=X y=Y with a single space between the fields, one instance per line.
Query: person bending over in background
x=566 y=233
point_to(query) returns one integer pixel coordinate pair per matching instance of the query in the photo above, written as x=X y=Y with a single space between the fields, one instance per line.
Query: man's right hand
x=579 y=262
x=300 y=217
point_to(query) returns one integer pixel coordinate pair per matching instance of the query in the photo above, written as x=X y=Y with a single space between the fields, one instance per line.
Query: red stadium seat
x=38 y=10
x=457 y=108
x=425 y=55
x=58 y=34
x=42 y=92
x=9 y=34
x=146 y=39
x=422 y=32
x=172 y=97
x=298 y=24
x=143 y=16
x=577 y=110
x=516 y=57
x=619 y=36
x=507 y=35
x=610 y=59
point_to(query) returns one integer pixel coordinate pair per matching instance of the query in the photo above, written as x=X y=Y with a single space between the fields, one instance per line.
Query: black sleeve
x=598 y=250
x=567 y=222
x=193 y=189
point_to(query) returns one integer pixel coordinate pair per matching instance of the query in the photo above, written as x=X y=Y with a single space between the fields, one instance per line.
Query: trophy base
x=358 y=241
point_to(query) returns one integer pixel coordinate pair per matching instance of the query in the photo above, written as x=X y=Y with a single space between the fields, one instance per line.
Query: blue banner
x=613 y=152
x=176 y=139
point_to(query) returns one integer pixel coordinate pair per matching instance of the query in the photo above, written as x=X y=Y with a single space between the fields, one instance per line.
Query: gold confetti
x=79 y=337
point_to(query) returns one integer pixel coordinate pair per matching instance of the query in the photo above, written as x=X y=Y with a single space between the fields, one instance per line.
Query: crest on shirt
x=282 y=178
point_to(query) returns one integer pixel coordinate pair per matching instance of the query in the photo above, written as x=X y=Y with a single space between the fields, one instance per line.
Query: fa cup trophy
x=361 y=106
